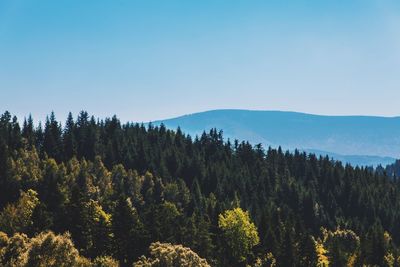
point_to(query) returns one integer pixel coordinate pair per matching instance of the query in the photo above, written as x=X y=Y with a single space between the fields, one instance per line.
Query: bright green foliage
x=26 y=167
x=168 y=255
x=239 y=232
x=16 y=217
x=167 y=218
x=127 y=183
x=97 y=229
x=177 y=193
x=101 y=181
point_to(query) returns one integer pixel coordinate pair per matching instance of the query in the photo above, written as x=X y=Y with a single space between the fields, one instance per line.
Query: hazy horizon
x=62 y=117
x=151 y=60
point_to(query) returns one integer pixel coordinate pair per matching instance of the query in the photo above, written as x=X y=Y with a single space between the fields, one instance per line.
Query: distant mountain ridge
x=360 y=140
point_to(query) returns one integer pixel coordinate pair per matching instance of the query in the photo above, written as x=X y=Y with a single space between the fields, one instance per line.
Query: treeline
x=115 y=191
x=392 y=170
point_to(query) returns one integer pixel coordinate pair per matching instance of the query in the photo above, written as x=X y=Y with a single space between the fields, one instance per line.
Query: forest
x=96 y=192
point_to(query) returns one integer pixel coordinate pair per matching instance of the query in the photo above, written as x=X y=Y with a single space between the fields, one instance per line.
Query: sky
x=146 y=60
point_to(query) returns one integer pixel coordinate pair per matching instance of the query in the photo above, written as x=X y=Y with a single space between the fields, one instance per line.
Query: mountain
x=360 y=140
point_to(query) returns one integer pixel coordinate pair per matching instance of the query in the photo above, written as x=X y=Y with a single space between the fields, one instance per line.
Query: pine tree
x=307 y=253
x=52 y=142
x=28 y=132
x=69 y=140
x=129 y=233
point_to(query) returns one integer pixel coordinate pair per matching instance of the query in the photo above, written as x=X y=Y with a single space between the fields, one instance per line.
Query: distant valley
x=359 y=140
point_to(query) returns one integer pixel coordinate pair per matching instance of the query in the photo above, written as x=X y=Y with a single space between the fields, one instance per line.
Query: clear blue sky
x=147 y=60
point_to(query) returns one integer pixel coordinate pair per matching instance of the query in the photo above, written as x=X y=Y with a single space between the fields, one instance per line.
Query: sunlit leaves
x=239 y=232
x=168 y=255
x=16 y=217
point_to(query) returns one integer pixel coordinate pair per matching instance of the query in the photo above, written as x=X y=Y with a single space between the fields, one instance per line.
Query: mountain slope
x=375 y=137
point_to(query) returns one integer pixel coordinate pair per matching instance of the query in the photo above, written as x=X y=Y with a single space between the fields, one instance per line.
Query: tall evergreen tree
x=69 y=140
x=52 y=142
x=129 y=233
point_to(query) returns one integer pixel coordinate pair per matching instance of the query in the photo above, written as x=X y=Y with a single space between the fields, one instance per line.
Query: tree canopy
x=103 y=192
x=239 y=232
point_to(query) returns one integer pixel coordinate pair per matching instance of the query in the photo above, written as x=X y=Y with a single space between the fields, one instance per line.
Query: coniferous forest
x=94 y=192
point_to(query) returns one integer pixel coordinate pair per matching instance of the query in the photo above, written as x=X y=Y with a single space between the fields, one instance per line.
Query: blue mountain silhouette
x=360 y=140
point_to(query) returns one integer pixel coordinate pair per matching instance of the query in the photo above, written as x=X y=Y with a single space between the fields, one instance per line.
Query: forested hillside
x=99 y=193
x=359 y=140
